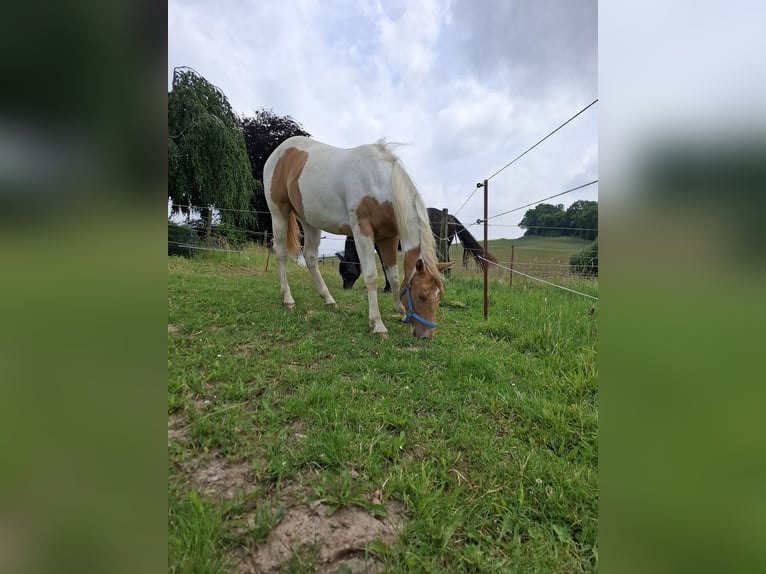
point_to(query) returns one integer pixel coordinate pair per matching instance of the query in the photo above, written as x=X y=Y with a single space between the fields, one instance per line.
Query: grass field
x=544 y=257
x=299 y=443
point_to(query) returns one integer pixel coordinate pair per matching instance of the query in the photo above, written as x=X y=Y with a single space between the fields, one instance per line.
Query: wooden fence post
x=510 y=281
x=486 y=263
x=443 y=236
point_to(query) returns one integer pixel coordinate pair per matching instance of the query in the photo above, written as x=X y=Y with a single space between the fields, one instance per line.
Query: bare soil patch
x=247 y=348
x=176 y=428
x=330 y=542
x=219 y=478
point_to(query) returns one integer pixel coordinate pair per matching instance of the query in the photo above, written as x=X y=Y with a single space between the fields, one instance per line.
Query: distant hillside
x=544 y=257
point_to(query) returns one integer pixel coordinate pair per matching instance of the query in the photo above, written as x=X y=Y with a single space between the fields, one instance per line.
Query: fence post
x=510 y=281
x=188 y=222
x=486 y=263
x=442 y=235
x=443 y=243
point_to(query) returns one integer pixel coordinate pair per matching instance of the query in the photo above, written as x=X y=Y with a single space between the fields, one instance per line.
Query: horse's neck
x=411 y=243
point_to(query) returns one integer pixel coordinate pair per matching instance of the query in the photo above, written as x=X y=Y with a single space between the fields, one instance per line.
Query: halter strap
x=410 y=309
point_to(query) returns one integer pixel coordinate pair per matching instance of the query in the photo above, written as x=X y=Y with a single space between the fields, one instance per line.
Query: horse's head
x=420 y=294
x=349 y=270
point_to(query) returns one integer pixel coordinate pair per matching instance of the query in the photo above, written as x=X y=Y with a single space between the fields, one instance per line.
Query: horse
x=350 y=269
x=365 y=192
x=471 y=247
x=349 y=266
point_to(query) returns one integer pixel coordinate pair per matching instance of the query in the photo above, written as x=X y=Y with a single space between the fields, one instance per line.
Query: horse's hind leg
x=279 y=225
x=311 y=237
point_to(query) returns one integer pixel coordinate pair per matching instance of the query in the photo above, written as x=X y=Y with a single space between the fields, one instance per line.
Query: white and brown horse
x=364 y=192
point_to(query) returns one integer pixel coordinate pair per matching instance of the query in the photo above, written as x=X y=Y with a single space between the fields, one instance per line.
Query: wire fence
x=259 y=234
x=522 y=154
x=517 y=272
x=545 y=272
x=595 y=181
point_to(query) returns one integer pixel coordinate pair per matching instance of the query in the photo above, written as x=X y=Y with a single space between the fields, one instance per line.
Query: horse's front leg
x=388 y=248
x=378 y=328
x=366 y=249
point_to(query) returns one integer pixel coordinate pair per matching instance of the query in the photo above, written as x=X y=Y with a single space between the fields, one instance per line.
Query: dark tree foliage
x=545 y=219
x=580 y=220
x=263 y=133
x=207 y=158
x=582 y=217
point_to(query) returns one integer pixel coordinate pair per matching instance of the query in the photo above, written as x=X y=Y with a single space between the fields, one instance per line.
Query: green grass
x=487 y=434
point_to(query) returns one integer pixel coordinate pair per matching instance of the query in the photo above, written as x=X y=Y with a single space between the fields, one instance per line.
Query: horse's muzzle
x=421 y=331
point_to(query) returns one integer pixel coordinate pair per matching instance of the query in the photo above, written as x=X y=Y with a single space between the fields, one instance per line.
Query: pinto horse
x=350 y=269
x=364 y=192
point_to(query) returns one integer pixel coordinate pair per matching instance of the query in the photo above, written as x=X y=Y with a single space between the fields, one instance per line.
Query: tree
x=580 y=220
x=582 y=215
x=263 y=133
x=207 y=159
x=545 y=219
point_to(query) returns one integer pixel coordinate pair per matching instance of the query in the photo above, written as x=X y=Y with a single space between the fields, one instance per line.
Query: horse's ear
x=419 y=265
x=443 y=266
x=339 y=255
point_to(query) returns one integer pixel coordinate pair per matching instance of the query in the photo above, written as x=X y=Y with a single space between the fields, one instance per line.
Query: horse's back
x=327 y=183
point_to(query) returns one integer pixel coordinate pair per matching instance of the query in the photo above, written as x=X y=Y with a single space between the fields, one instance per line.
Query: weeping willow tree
x=208 y=164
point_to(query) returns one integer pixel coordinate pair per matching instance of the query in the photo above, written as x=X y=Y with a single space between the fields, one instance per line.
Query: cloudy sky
x=467 y=85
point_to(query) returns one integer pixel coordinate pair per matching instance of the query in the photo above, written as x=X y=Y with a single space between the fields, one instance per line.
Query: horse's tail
x=466 y=255
x=293 y=240
x=471 y=246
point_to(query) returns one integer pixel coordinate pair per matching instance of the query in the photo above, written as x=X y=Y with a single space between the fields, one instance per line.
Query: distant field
x=544 y=257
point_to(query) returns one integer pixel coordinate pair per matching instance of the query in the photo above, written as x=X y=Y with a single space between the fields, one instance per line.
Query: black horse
x=350 y=269
x=471 y=247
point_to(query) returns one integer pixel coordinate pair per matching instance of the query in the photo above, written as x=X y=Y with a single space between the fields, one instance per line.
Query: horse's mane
x=406 y=198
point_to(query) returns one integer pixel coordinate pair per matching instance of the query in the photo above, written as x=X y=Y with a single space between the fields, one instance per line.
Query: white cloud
x=409 y=41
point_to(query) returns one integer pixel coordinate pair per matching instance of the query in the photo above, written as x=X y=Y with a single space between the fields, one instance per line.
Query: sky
x=465 y=85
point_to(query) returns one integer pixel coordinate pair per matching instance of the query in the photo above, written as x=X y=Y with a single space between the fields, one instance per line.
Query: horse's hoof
x=382 y=335
x=290 y=305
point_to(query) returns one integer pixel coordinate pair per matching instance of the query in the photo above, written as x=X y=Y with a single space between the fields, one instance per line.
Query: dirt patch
x=176 y=428
x=173 y=328
x=200 y=404
x=219 y=478
x=334 y=542
x=247 y=348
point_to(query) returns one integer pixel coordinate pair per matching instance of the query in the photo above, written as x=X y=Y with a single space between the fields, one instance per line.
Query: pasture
x=299 y=442
x=543 y=257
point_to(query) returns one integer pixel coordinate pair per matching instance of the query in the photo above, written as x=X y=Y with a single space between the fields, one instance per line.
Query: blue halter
x=411 y=310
